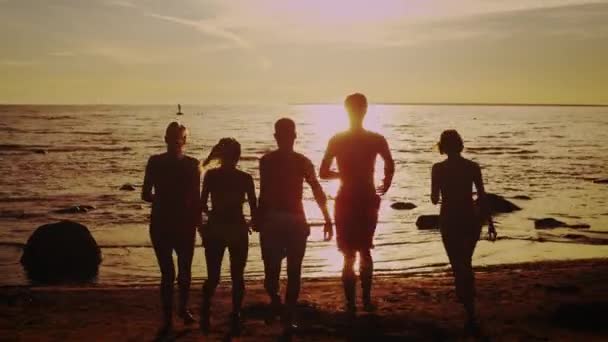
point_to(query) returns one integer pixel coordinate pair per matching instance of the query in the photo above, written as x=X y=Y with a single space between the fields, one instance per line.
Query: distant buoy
x=179 y=110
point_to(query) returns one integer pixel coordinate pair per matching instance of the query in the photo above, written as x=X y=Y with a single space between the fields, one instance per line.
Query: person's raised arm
x=253 y=203
x=320 y=198
x=146 y=190
x=328 y=157
x=389 y=166
x=435 y=184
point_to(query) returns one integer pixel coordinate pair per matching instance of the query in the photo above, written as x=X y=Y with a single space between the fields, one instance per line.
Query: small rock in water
x=548 y=223
x=601 y=181
x=77 y=209
x=403 y=206
x=428 y=222
x=127 y=187
x=579 y=226
x=522 y=197
x=499 y=204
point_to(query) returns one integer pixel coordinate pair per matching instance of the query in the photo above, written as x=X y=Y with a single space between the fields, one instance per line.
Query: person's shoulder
x=191 y=160
x=268 y=156
x=375 y=136
x=155 y=158
x=472 y=164
x=211 y=172
x=244 y=175
x=439 y=165
x=340 y=136
x=302 y=158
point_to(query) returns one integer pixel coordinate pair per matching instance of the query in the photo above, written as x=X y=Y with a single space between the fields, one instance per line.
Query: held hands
x=492 y=235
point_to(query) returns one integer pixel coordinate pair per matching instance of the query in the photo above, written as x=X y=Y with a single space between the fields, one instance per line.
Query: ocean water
x=52 y=157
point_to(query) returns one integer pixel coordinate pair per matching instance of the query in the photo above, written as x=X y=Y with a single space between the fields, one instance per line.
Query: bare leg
x=366 y=272
x=238 y=261
x=185 y=252
x=349 y=280
x=164 y=256
x=214 y=253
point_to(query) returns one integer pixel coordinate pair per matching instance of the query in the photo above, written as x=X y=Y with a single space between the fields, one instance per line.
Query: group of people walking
x=172 y=183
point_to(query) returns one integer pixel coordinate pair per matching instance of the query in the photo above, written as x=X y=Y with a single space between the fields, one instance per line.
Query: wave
x=43 y=149
x=499 y=150
x=19 y=214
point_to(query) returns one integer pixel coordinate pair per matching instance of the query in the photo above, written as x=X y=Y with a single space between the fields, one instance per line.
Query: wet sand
x=528 y=302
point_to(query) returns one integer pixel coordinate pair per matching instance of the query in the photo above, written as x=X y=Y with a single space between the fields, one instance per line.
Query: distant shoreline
x=463 y=104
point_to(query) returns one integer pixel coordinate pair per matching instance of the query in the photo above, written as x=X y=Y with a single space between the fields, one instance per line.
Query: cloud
x=206 y=27
x=63 y=53
x=18 y=63
x=209 y=27
x=121 y=3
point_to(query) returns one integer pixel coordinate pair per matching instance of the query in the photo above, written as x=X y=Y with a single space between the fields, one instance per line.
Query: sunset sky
x=278 y=51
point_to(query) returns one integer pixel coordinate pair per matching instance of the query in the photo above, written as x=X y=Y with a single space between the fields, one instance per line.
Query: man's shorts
x=356 y=217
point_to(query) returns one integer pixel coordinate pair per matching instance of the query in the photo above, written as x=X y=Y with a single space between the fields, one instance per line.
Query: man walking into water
x=282 y=221
x=172 y=185
x=357 y=202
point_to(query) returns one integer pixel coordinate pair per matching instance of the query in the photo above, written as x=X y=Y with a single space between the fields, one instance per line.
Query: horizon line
x=308 y=103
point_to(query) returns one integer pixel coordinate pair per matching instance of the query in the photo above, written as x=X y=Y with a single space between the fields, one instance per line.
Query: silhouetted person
x=226 y=226
x=357 y=202
x=453 y=180
x=172 y=185
x=282 y=221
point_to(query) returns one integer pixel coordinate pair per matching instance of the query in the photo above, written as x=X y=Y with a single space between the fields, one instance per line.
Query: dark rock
x=499 y=204
x=601 y=181
x=428 y=222
x=548 y=223
x=522 y=197
x=128 y=187
x=403 y=206
x=61 y=251
x=77 y=209
x=40 y=151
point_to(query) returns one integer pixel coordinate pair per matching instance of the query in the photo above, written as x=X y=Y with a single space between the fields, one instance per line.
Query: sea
x=545 y=159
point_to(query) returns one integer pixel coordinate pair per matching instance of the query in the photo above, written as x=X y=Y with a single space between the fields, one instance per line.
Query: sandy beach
x=566 y=300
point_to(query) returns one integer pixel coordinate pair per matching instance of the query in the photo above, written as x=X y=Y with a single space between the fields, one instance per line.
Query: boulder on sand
x=428 y=222
x=61 y=251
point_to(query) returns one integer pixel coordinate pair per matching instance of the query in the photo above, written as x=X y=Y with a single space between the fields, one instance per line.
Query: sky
x=292 y=51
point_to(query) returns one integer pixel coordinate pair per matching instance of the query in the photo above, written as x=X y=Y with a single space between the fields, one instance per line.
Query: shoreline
x=563 y=300
x=520 y=266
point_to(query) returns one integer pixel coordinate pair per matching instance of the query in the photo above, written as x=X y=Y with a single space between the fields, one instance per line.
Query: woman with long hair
x=226 y=226
x=460 y=224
